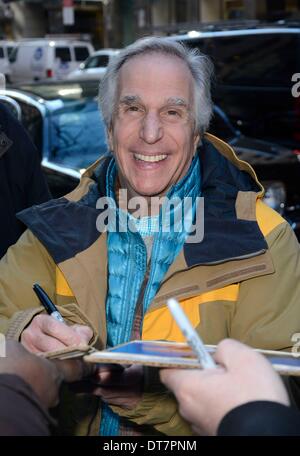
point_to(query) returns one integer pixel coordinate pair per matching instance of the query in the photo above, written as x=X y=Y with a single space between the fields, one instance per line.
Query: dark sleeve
x=24 y=167
x=261 y=418
x=36 y=185
x=21 y=412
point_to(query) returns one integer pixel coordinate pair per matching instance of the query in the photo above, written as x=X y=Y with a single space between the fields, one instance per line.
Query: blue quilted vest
x=127 y=263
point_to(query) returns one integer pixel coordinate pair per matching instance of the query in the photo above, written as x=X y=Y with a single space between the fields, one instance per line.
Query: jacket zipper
x=139 y=304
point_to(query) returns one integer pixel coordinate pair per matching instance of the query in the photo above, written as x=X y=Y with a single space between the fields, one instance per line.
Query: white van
x=6 y=47
x=39 y=59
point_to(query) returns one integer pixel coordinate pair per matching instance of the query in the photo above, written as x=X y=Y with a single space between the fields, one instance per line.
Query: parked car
x=39 y=59
x=95 y=66
x=276 y=166
x=64 y=122
x=6 y=47
x=12 y=105
x=254 y=68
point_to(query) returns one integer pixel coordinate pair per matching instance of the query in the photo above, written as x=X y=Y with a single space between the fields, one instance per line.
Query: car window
x=256 y=60
x=102 y=60
x=220 y=125
x=81 y=53
x=77 y=134
x=1 y=53
x=33 y=122
x=13 y=55
x=97 y=61
x=9 y=50
x=63 y=53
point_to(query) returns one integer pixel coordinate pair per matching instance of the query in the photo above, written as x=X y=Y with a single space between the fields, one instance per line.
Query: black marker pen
x=47 y=303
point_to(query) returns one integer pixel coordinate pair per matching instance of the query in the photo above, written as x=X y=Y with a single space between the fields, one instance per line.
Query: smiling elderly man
x=241 y=279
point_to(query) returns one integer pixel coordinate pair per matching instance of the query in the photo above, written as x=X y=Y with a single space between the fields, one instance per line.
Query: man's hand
x=118 y=386
x=206 y=396
x=43 y=376
x=46 y=334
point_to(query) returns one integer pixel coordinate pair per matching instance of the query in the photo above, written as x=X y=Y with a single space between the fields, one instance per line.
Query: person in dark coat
x=29 y=387
x=22 y=183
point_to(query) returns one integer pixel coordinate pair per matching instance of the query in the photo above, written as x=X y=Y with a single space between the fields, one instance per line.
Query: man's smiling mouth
x=150 y=158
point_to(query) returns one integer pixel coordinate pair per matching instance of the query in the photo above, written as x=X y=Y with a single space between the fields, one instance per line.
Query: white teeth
x=148 y=158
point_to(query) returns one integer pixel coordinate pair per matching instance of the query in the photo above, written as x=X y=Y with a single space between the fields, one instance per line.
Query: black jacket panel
x=22 y=183
x=261 y=418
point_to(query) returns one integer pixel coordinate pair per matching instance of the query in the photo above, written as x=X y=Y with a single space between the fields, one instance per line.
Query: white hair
x=200 y=66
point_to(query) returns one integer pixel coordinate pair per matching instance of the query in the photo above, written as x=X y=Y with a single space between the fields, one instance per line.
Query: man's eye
x=133 y=108
x=172 y=112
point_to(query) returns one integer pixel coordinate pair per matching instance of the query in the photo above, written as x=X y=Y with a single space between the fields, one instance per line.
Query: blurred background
x=116 y=23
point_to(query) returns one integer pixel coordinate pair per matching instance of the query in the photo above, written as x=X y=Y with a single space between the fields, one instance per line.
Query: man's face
x=153 y=129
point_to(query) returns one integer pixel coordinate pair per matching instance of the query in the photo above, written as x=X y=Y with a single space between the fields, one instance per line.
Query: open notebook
x=165 y=354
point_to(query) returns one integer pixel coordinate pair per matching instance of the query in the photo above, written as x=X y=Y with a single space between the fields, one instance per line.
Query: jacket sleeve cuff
x=260 y=418
x=71 y=313
x=19 y=321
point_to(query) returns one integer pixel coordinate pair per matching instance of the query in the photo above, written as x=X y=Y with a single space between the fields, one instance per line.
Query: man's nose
x=151 y=128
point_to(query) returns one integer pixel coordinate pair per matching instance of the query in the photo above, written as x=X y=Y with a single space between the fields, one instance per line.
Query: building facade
x=115 y=23
x=37 y=18
x=127 y=20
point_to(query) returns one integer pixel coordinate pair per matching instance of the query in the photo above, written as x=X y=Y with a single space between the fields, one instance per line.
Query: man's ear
x=196 y=143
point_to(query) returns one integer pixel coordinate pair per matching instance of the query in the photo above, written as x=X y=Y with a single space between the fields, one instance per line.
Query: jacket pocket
x=160 y=325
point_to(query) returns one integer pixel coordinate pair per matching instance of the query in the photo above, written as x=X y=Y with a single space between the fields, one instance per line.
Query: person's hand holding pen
x=205 y=396
x=49 y=332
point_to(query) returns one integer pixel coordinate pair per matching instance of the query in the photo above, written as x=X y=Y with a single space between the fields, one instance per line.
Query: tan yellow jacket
x=241 y=281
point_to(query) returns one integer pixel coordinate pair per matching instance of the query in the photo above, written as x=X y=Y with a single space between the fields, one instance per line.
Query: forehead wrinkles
x=150 y=60
x=176 y=101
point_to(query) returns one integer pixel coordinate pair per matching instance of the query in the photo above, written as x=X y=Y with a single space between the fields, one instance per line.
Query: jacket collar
x=67 y=226
x=226 y=236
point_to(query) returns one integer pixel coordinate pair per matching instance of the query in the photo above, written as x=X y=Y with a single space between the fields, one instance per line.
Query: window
x=9 y=50
x=77 y=134
x=97 y=61
x=81 y=53
x=181 y=11
x=1 y=53
x=220 y=125
x=63 y=53
x=33 y=122
x=254 y=60
x=13 y=55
